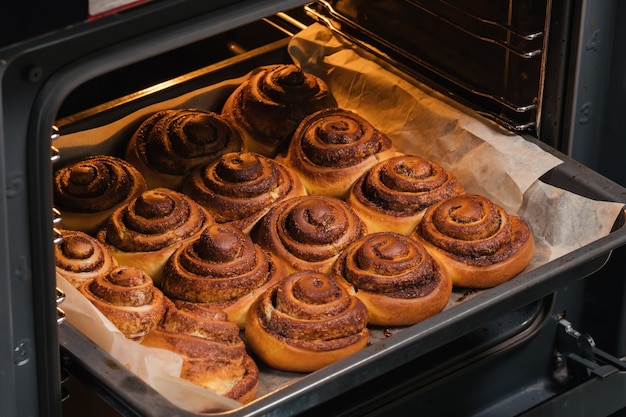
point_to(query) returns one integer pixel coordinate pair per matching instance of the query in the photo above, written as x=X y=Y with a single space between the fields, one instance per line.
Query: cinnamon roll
x=80 y=257
x=146 y=231
x=308 y=233
x=214 y=356
x=270 y=104
x=171 y=143
x=128 y=298
x=223 y=267
x=477 y=241
x=332 y=148
x=394 y=194
x=87 y=191
x=395 y=277
x=306 y=322
x=240 y=187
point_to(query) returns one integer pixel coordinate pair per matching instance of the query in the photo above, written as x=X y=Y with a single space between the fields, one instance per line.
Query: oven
x=551 y=341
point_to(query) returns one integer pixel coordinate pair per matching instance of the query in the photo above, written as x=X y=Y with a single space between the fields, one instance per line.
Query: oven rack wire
x=513 y=96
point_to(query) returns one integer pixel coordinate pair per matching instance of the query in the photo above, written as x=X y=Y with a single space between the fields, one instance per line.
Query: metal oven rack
x=440 y=42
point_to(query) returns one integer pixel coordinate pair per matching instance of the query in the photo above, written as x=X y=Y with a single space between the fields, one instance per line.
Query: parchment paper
x=159 y=368
x=486 y=159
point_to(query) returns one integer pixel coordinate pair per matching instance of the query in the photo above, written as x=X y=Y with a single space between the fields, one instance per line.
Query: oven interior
x=522 y=83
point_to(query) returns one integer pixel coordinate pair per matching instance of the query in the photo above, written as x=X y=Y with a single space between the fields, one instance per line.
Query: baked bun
x=240 y=187
x=332 y=148
x=308 y=233
x=128 y=298
x=394 y=194
x=87 y=191
x=80 y=257
x=477 y=241
x=146 y=231
x=171 y=143
x=395 y=277
x=214 y=356
x=306 y=322
x=222 y=267
x=270 y=104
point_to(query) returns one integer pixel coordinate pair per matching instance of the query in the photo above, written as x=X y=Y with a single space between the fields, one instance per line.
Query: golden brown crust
x=87 y=191
x=128 y=298
x=171 y=143
x=308 y=233
x=241 y=187
x=146 y=231
x=395 y=277
x=332 y=148
x=81 y=257
x=394 y=194
x=477 y=241
x=270 y=104
x=306 y=322
x=214 y=356
x=222 y=267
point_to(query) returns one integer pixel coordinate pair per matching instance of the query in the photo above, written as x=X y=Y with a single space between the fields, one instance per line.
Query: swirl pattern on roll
x=80 y=257
x=332 y=148
x=472 y=227
x=478 y=237
x=87 y=190
x=214 y=356
x=154 y=220
x=395 y=277
x=128 y=298
x=309 y=232
x=222 y=267
x=310 y=313
x=270 y=104
x=388 y=263
x=171 y=143
x=240 y=187
x=396 y=192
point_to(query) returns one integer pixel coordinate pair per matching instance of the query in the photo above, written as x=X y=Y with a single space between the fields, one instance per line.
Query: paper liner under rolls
x=159 y=368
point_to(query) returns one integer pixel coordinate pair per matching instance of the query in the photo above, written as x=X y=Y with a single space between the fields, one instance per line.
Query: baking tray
x=389 y=348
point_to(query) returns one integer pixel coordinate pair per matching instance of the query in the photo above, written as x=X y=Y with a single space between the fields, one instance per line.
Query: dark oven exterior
x=519 y=349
